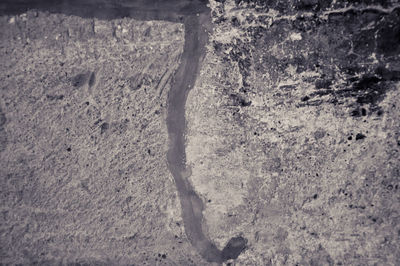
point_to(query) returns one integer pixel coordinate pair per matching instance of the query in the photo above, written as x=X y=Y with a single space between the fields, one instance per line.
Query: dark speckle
x=350 y=138
x=360 y=136
x=164 y=256
x=315 y=196
x=69 y=149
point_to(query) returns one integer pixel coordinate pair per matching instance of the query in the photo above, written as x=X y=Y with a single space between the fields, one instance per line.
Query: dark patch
x=305 y=98
x=386 y=74
x=369 y=90
x=104 y=127
x=235 y=22
x=350 y=138
x=3 y=118
x=69 y=149
x=364 y=42
x=54 y=97
x=92 y=79
x=233 y=248
x=308 y=4
x=315 y=196
x=355 y=112
x=164 y=256
x=238 y=100
x=363 y=112
x=319 y=134
x=360 y=136
x=388 y=37
x=3 y=140
x=323 y=84
x=171 y=10
x=79 y=80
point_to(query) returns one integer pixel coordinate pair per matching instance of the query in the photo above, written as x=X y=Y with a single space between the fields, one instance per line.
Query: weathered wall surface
x=83 y=138
x=292 y=141
x=293 y=131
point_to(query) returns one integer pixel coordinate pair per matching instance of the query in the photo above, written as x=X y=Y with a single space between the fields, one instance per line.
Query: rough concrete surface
x=293 y=131
x=292 y=137
x=83 y=171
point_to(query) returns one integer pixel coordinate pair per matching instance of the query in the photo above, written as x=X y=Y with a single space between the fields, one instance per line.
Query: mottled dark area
x=364 y=56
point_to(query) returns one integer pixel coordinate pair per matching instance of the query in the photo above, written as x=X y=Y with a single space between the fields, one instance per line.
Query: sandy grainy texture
x=293 y=131
x=83 y=142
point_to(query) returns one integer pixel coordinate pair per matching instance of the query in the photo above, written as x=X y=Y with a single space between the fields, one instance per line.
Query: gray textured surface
x=292 y=140
x=293 y=134
x=83 y=163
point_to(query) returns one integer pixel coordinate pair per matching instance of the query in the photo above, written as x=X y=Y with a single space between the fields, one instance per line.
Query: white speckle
x=11 y=20
x=23 y=17
x=373 y=57
x=124 y=30
x=295 y=36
